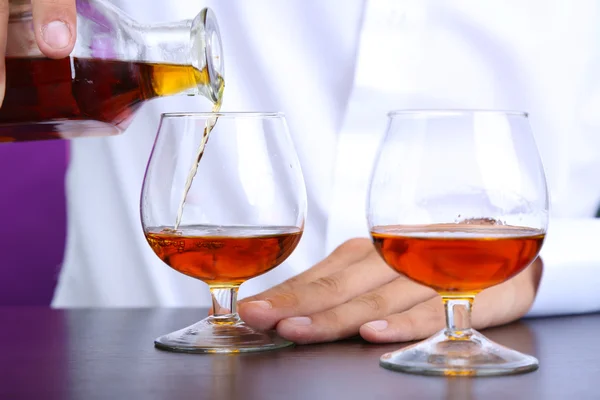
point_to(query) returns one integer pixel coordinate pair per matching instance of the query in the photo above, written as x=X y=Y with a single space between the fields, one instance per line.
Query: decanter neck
x=104 y=31
x=194 y=42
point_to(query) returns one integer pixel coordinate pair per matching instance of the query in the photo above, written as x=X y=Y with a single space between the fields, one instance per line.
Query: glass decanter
x=116 y=65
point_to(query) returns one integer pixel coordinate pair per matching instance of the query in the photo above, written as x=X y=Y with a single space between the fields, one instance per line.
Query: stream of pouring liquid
x=208 y=127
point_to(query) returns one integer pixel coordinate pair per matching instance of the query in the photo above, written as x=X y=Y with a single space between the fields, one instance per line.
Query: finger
x=497 y=305
x=55 y=24
x=346 y=319
x=3 y=33
x=319 y=295
x=351 y=251
x=419 y=322
x=508 y=301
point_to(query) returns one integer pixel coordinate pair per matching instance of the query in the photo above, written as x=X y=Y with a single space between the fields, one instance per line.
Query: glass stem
x=458 y=316
x=224 y=304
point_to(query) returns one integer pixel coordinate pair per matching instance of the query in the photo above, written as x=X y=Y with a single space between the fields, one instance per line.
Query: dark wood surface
x=109 y=354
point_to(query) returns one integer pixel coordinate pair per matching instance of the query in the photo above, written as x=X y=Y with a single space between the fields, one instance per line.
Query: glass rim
x=455 y=111
x=223 y=114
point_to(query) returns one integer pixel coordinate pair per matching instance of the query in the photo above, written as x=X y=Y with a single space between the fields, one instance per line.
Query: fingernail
x=302 y=321
x=378 y=325
x=261 y=303
x=56 y=34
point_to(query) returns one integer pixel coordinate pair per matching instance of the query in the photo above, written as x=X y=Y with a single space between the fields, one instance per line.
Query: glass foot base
x=208 y=336
x=473 y=356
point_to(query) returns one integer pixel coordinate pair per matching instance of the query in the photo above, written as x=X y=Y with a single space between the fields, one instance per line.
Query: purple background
x=33 y=205
x=33 y=220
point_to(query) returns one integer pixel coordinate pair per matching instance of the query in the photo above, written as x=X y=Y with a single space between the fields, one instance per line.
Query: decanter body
x=117 y=64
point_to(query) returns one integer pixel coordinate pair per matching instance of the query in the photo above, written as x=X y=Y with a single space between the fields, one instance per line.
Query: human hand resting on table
x=353 y=291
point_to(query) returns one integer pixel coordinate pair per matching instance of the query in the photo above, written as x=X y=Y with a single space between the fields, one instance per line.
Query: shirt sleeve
x=570 y=281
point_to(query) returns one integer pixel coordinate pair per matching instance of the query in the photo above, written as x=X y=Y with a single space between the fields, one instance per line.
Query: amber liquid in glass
x=458 y=258
x=223 y=256
x=75 y=97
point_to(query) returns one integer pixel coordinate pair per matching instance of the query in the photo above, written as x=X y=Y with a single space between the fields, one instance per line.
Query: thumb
x=55 y=24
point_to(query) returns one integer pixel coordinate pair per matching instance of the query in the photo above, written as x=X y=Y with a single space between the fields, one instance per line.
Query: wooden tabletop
x=109 y=354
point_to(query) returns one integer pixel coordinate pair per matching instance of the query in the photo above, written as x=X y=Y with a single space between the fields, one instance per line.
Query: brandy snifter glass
x=242 y=216
x=458 y=202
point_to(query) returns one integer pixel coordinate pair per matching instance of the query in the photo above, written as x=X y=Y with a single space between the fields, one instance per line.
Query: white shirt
x=335 y=68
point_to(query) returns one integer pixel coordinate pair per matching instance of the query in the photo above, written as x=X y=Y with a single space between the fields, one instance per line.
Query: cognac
x=208 y=127
x=75 y=97
x=223 y=255
x=458 y=258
